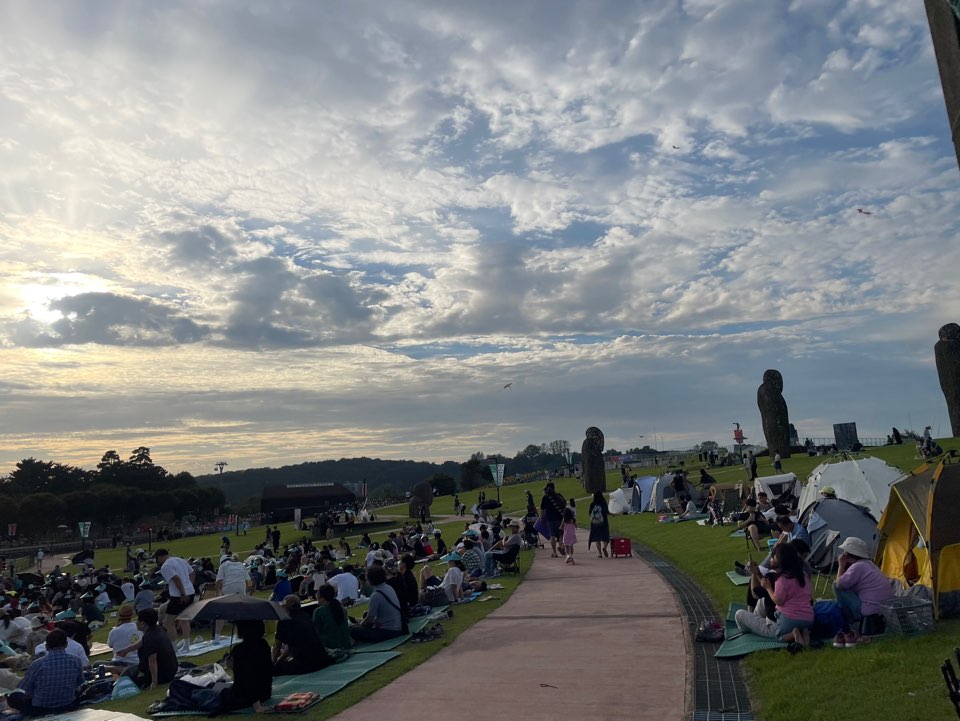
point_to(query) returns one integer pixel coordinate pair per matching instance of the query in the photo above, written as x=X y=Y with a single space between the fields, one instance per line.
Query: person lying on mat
x=383 y=619
x=792 y=595
x=297 y=648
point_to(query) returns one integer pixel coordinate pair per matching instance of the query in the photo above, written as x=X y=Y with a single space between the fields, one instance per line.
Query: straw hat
x=125 y=613
x=856 y=547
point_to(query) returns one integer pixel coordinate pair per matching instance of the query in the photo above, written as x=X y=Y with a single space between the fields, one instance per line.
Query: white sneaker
x=216 y=638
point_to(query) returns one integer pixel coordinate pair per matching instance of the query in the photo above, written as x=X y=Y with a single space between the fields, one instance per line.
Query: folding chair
x=953 y=685
x=509 y=562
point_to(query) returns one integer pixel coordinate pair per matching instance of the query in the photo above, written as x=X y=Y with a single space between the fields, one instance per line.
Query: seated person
x=861 y=587
x=499 y=548
x=346 y=584
x=791 y=530
x=452 y=583
x=792 y=595
x=124 y=634
x=89 y=608
x=156 y=657
x=74 y=647
x=383 y=619
x=690 y=510
x=706 y=479
x=282 y=589
x=13 y=629
x=52 y=682
x=472 y=558
x=763 y=504
x=440 y=546
x=330 y=619
x=252 y=670
x=404 y=582
x=754 y=523
x=297 y=648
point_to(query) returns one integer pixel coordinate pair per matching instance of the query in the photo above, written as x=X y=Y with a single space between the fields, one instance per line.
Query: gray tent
x=830 y=521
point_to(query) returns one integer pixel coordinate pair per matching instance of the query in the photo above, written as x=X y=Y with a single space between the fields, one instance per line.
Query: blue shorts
x=785 y=625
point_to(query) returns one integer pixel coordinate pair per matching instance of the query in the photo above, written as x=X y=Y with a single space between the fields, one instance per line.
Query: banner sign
x=496 y=470
x=363 y=490
x=11 y=529
x=85 y=529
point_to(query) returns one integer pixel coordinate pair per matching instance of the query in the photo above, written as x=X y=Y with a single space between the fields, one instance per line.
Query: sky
x=269 y=233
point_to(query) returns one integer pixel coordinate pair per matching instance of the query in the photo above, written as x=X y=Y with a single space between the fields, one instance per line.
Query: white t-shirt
x=453 y=578
x=173 y=567
x=73 y=648
x=126 y=634
x=129 y=591
x=234 y=576
x=103 y=600
x=347 y=585
x=371 y=557
x=16 y=632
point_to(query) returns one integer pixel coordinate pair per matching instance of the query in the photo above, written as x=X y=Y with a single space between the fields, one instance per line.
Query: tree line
x=39 y=495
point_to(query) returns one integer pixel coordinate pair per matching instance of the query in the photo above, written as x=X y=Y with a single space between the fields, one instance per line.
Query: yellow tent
x=919 y=534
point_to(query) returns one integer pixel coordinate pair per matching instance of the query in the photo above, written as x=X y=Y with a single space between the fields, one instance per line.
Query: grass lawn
x=894 y=678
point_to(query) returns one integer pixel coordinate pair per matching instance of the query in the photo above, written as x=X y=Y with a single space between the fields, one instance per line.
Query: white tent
x=777 y=488
x=624 y=500
x=663 y=489
x=862 y=481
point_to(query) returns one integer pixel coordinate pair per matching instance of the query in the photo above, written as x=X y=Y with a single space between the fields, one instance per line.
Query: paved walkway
x=603 y=639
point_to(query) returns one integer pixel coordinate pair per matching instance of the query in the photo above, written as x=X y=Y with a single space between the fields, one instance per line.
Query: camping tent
x=919 y=534
x=625 y=500
x=781 y=488
x=831 y=521
x=864 y=481
x=663 y=489
x=645 y=486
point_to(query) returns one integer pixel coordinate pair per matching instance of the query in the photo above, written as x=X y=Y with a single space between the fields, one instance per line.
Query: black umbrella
x=81 y=557
x=235 y=607
x=115 y=593
x=29 y=577
x=490 y=505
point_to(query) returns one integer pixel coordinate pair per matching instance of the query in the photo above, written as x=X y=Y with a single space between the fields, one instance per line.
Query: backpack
x=709 y=632
x=596 y=515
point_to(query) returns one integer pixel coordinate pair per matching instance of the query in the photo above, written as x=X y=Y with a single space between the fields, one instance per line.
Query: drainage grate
x=719 y=692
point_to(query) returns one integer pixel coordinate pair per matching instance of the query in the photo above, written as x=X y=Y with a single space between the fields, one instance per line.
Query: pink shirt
x=793 y=600
x=868 y=582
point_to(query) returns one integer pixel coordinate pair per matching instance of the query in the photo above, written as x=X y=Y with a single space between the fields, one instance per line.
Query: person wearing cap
x=124 y=634
x=861 y=588
x=180 y=578
x=384 y=617
x=297 y=648
x=283 y=588
x=144 y=597
x=52 y=683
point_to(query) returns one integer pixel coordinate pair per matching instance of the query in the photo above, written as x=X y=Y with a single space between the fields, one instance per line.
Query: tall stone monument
x=773 y=413
x=947 y=353
x=591 y=460
x=420 y=496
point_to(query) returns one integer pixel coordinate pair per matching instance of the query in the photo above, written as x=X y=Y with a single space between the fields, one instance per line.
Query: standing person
x=777 y=464
x=599 y=524
x=569 y=529
x=572 y=505
x=179 y=576
x=746 y=468
x=275 y=537
x=233 y=579
x=531 y=506
x=552 y=505
x=456 y=502
x=753 y=466
x=40 y=561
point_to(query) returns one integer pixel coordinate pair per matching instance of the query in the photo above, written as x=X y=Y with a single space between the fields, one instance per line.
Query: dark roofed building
x=310 y=498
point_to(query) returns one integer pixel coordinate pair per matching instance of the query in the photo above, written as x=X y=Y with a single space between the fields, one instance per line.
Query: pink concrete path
x=603 y=639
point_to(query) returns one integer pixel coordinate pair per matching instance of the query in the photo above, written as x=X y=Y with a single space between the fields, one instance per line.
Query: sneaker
x=840 y=640
x=851 y=639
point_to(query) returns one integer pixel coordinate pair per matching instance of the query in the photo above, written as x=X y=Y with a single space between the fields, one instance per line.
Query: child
x=569 y=526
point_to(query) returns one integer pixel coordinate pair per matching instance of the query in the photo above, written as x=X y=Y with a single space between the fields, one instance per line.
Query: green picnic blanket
x=737 y=643
x=415 y=625
x=737 y=579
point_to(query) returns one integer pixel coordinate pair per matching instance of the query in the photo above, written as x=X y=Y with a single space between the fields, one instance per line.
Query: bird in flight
x=676 y=147
x=509 y=385
x=864 y=212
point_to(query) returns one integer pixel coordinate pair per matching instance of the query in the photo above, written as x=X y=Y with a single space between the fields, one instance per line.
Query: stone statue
x=421 y=496
x=591 y=459
x=947 y=353
x=773 y=413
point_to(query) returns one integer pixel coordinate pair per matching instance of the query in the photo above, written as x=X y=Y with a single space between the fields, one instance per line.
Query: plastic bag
x=208 y=677
x=124 y=688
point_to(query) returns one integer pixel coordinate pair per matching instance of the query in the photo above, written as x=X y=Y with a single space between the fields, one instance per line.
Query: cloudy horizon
x=270 y=234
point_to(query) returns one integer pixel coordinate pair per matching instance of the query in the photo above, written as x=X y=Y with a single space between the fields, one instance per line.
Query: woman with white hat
x=861 y=588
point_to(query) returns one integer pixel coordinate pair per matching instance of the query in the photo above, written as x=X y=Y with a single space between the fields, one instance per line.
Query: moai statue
x=591 y=459
x=773 y=413
x=421 y=495
x=947 y=353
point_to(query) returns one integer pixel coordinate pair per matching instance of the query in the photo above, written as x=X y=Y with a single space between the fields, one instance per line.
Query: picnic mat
x=198 y=649
x=737 y=579
x=333 y=678
x=388 y=645
x=95 y=714
x=737 y=644
x=98 y=649
x=739 y=533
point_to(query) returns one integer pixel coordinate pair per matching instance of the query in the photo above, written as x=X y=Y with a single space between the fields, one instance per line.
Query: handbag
x=543 y=528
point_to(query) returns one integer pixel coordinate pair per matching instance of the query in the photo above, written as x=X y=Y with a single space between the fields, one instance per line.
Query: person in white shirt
x=73 y=648
x=452 y=583
x=372 y=555
x=179 y=577
x=129 y=590
x=13 y=631
x=124 y=634
x=233 y=578
x=347 y=585
x=39 y=560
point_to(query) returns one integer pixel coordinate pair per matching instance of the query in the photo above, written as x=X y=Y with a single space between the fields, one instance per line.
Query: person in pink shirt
x=861 y=587
x=792 y=593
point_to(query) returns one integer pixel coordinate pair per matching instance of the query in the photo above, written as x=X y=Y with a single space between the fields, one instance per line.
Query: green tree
x=40 y=513
x=443 y=484
x=475 y=473
x=9 y=512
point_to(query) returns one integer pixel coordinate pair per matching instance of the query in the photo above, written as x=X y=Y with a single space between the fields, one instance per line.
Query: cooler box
x=620 y=547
